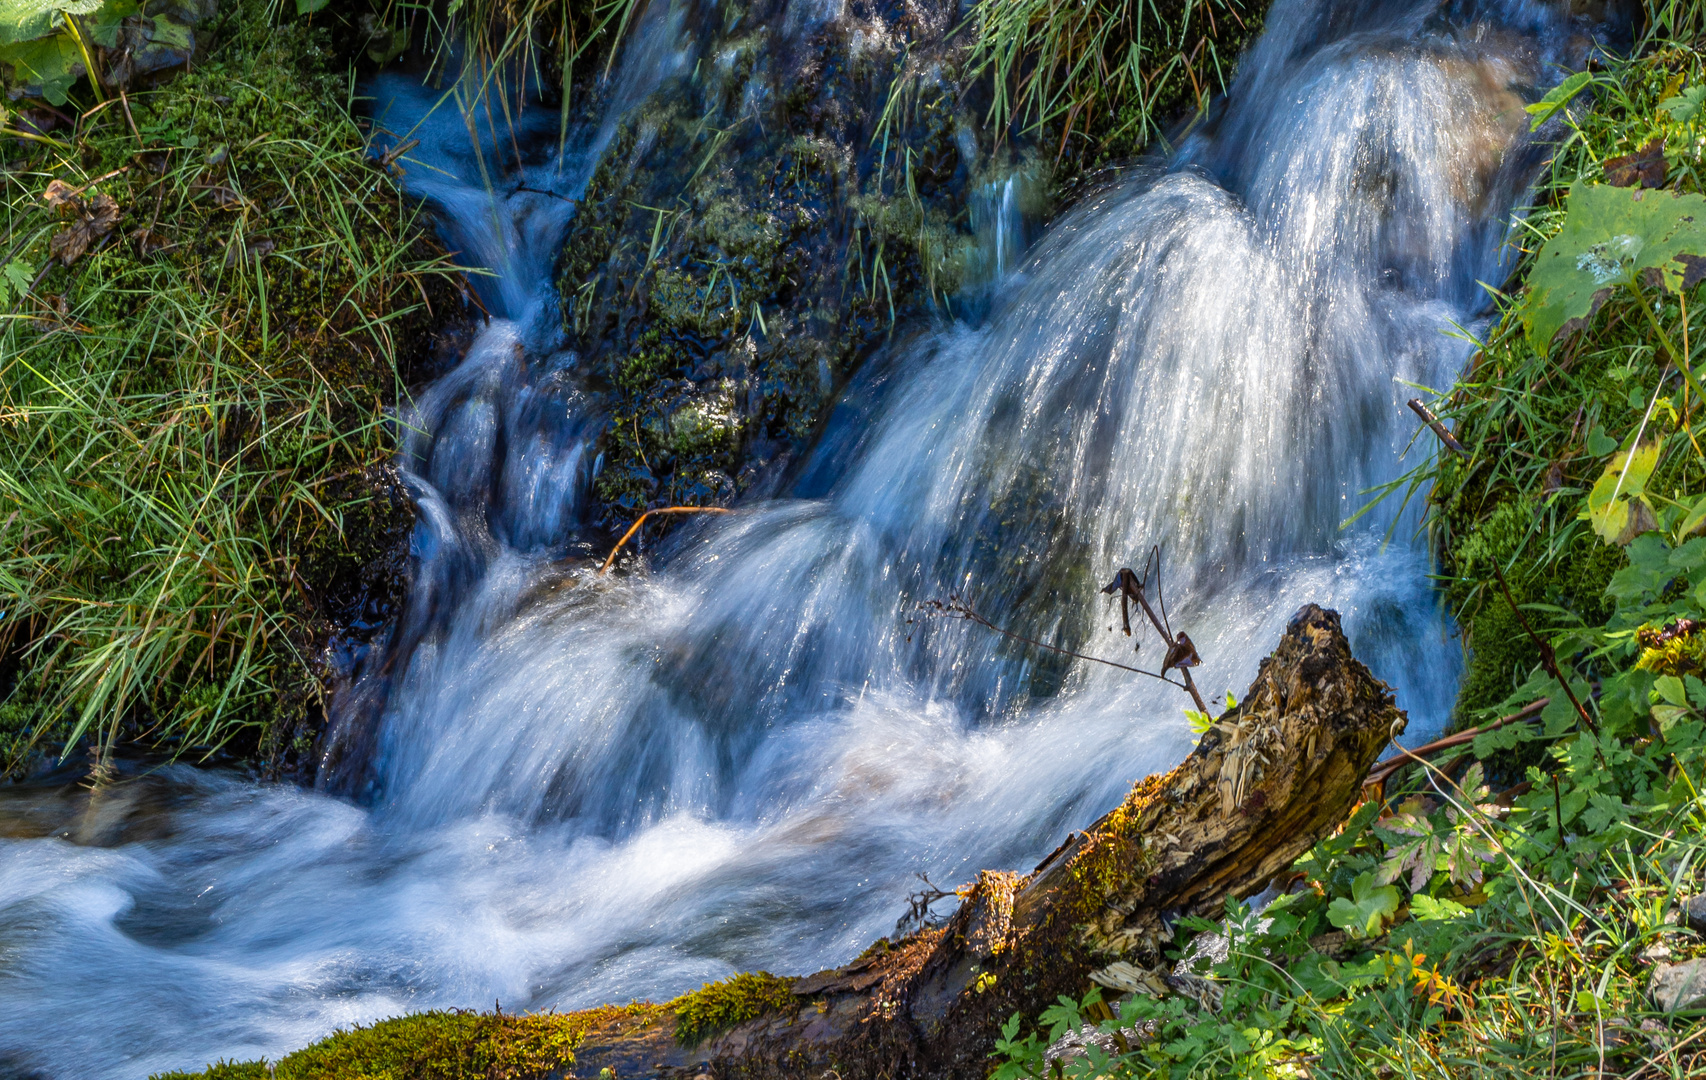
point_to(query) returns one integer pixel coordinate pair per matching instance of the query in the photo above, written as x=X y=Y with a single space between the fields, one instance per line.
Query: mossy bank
x=212 y=299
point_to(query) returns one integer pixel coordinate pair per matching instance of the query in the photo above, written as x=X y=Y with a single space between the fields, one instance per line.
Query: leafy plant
x=1612 y=235
x=1368 y=908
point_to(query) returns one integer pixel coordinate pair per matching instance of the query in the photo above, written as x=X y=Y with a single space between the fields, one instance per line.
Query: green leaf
x=1505 y=738
x=1369 y=908
x=1610 y=235
x=309 y=7
x=1696 y=691
x=1692 y=521
x=104 y=28
x=1428 y=909
x=1667 y=715
x=1671 y=689
x=26 y=20
x=1556 y=98
x=1616 y=507
x=1599 y=443
x=1686 y=105
x=47 y=66
x=18 y=276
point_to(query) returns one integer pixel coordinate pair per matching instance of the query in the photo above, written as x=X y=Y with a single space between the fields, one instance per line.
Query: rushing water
x=561 y=788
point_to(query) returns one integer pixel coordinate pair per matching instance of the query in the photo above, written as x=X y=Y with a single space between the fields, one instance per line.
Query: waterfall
x=576 y=788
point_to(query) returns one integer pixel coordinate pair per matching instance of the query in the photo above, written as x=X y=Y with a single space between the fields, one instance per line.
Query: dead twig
x=956 y=608
x=1439 y=429
x=635 y=527
x=1181 y=653
x=1385 y=770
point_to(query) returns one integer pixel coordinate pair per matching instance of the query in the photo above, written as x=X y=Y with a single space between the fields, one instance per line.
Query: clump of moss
x=718 y=1006
x=438 y=1045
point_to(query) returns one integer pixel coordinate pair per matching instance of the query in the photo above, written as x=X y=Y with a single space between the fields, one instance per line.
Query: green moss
x=716 y=1007
x=439 y=1045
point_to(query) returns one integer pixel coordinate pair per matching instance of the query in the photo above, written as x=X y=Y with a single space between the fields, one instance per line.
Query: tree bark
x=1269 y=779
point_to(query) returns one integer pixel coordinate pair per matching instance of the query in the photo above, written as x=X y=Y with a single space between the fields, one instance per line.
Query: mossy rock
x=718 y=1006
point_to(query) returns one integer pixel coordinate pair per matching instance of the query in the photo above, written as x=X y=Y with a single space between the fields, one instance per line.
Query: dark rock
x=1693 y=912
x=756 y=229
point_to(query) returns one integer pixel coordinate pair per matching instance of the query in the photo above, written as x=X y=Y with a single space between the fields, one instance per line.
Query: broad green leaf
x=1610 y=235
x=104 y=28
x=1617 y=507
x=18 y=276
x=1599 y=443
x=1668 y=715
x=1671 y=689
x=309 y=7
x=1369 y=908
x=48 y=66
x=26 y=20
x=1556 y=98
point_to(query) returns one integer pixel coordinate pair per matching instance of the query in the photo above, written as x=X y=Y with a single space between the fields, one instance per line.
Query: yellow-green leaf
x=1617 y=507
x=1556 y=98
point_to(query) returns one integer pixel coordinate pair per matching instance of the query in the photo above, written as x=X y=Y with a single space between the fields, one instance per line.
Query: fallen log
x=1269 y=778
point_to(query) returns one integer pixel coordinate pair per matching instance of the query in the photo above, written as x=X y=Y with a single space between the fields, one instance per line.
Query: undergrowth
x=1113 y=70
x=1521 y=904
x=207 y=289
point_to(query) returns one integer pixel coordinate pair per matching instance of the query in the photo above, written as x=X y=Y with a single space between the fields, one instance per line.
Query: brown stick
x=1548 y=658
x=1439 y=429
x=1385 y=770
x=635 y=527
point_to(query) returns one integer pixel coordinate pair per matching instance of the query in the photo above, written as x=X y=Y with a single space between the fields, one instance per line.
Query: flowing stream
x=555 y=789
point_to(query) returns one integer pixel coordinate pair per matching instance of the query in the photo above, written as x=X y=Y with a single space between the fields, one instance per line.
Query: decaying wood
x=1270 y=778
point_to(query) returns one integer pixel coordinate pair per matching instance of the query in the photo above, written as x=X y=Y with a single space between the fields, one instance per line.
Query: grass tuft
x=191 y=405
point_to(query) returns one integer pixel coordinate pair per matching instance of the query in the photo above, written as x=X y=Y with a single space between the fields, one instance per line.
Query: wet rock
x=758 y=226
x=1679 y=986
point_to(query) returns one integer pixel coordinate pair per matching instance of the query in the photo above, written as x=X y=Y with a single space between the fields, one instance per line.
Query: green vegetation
x=438 y=1046
x=207 y=290
x=718 y=1006
x=1113 y=70
x=1520 y=904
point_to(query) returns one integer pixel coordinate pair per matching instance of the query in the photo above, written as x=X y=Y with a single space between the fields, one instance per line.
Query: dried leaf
x=1644 y=168
x=61 y=196
x=95 y=219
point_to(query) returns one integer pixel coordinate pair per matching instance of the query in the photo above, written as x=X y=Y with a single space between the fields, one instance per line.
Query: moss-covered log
x=1270 y=778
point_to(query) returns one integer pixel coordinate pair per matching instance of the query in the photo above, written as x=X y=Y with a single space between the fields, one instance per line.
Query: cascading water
x=585 y=788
